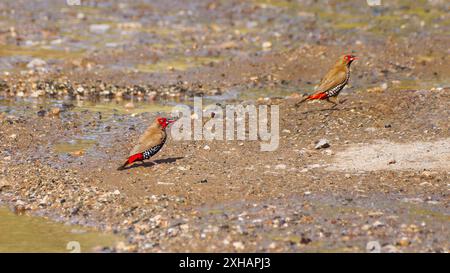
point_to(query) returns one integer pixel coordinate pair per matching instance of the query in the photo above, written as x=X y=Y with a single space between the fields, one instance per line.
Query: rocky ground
x=225 y=196
x=379 y=177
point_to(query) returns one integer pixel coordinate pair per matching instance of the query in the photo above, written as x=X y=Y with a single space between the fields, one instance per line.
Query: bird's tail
x=302 y=101
x=131 y=159
x=122 y=167
x=318 y=96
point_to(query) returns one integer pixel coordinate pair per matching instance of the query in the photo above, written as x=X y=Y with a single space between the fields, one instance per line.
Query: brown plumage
x=150 y=142
x=334 y=81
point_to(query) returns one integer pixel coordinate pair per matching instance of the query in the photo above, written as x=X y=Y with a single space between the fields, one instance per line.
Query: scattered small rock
x=370 y=129
x=41 y=113
x=4 y=185
x=55 y=111
x=389 y=249
x=77 y=153
x=35 y=63
x=375 y=213
x=373 y=247
x=376 y=89
x=392 y=161
x=428 y=174
x=129 y=105
x=19 y=207
x=238 y=245
x=305 y=241
x=322 y=144
x=99 y=28
x=412 y=200
x=377 y=224
x=266 y=45
x=404 y=241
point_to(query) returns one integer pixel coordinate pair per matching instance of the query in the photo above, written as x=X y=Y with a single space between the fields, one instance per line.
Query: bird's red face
x=164 y=122
x=348 y=59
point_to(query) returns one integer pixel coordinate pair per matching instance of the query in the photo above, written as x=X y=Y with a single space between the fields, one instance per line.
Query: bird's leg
x=331 y=101
x=340 y=101
x=147 y=163
x=154 y=163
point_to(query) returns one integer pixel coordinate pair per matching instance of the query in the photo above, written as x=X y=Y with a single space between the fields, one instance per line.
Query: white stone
x=267 y=45
x=322 y=143
x=99 y=28
x=36 y=63
x=238 y=245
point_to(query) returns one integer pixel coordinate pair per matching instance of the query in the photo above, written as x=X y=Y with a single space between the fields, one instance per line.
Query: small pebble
x=322 y=144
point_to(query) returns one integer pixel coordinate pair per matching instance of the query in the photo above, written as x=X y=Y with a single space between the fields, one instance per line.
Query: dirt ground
x=383 y=180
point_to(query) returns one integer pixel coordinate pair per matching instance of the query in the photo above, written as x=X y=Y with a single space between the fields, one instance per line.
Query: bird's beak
x=171 y=120
x=354 y=58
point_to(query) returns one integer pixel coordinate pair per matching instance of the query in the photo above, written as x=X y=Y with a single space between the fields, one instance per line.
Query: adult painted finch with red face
x=150 y=142
x=334 y=81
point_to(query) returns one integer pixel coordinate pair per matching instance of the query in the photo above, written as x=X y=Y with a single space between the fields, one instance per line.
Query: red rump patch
x=136 y=157
x=320 y=96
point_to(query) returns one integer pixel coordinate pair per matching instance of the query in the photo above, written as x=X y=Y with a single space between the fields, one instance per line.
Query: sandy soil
x=410 y=156
x=235 y=197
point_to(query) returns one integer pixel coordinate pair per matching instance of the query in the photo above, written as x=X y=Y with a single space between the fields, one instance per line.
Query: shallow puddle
x=108 y=108
x=24 y=233
x=181 y=63
x=38 y=52
x=75 y=147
